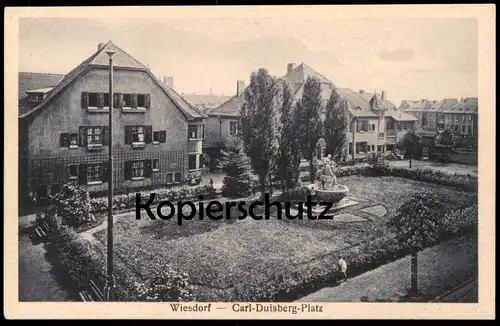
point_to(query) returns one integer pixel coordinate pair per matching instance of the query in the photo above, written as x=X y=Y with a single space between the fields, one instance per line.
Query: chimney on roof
x=100 y=46
x=290 y=68
x=361 y=91
x=169 y=81
x=384 y=95
x=240 y=87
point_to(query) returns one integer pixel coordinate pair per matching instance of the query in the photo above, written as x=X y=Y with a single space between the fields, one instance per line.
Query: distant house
x=34 y=87
x=64 y=132
x=433 y=116
x=205 y=102
x=373 y=119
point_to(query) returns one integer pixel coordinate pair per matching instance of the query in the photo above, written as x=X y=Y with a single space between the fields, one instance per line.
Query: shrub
x=166 y=285
x=379 y=164
x=460 y=222
x=298 y=193
x=73 y=205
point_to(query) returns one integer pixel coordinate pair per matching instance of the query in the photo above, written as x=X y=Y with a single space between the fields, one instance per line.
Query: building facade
x=157 y=136
x=433 y=116
x=375 y=125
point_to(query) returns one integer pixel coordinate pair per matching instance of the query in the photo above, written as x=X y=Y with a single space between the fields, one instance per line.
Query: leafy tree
x=308 y=110
x=259 y=124
x=447 y=137
x=410 y=143
x=72 y=203
x=287 y=166
x=417 y=224
x=336 y=123
x=236 y=165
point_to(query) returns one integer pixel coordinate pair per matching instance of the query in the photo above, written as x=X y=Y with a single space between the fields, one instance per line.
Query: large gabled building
x=64 y=134
x=374 y=122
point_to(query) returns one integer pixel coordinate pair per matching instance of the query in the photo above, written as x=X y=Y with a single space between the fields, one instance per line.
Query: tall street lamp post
x=110 y=282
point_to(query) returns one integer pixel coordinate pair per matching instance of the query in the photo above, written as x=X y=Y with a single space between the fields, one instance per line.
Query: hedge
x=362 y=258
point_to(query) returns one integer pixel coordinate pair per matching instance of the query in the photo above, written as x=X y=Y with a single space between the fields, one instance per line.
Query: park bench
x=43 y=230
x=95 y=294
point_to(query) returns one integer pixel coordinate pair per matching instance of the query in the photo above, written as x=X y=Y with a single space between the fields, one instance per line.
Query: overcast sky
x=408 y=58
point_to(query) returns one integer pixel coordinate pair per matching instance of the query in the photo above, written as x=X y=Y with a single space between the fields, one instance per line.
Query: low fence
x=46 y=175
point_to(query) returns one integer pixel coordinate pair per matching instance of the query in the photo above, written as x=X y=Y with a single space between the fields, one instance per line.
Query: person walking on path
x=343 y=267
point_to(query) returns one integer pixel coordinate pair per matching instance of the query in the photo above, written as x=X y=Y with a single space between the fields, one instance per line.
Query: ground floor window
x=170 y=178
x=389 y=148
x=137 y=169
x=178 y=177
x=156 y=165
x=192 y=162
x=94 y=172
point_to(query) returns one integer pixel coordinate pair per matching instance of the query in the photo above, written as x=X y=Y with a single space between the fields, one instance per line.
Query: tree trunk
x=270 y=178
x=414 y=273
x=410 y=161
x=311 y=171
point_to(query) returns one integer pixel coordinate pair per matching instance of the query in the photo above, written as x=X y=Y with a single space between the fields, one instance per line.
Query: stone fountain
x=326 y=189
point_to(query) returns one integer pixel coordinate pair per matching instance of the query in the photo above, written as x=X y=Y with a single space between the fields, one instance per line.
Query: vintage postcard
x=259 y=162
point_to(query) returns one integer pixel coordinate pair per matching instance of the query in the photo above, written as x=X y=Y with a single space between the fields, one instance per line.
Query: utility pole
x=109 y=289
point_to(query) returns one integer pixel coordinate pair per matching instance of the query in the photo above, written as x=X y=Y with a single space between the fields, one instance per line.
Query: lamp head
x=110 y=53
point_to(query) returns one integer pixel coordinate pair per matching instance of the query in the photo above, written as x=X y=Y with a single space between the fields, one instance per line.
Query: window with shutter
x=100 y=100
x=116 y=99
x=156 y=136
x=148 y=101
x=178 y=177
x=120 y=100
x=83 y=136
x=85 y=100
x=134 y=100
x=163 y=136
x=64 y=140
x=148 y=169
x=105 y=135
x=128 y=135
x=169 y=178
x=156 y=165
x=73 y=172
x=82 y=174
x=105 y=171
x=128 y=170
x=148 y=134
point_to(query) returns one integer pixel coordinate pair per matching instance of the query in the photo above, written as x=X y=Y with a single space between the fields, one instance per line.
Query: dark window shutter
x=134 y=100
x=163 y=136
x=128 y=135
x=105 y=135
x=147 y=169
x=148 y=134
x=82 y=135
x=203 y=131
x=105 y=171
x=120 y=100
x=64 y=139
x=82 y=174
x=85 y=100
x=128 y=170
x=100 y=100
x=116 y=99
x=148 y=101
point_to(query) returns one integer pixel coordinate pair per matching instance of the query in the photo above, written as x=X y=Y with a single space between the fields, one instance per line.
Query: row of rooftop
x=360 y=102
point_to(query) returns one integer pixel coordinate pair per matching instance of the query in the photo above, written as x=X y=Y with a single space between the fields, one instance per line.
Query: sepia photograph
x=268 y=162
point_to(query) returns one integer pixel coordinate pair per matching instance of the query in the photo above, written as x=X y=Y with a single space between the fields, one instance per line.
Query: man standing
x=343 y=267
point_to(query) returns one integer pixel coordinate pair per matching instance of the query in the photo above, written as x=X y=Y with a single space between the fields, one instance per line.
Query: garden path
x=440 y=268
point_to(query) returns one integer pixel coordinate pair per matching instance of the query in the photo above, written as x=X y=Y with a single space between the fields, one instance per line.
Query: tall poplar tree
x=335 y=124
x=288 y=161
x=309 y=124
x=259 y=124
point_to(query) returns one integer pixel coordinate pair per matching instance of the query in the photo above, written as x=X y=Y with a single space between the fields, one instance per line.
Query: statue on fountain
x=328 y=178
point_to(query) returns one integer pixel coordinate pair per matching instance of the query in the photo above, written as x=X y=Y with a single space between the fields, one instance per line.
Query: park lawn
x=220 y=255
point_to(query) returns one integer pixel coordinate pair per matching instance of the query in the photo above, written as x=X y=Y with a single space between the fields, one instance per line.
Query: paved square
x=346 y=217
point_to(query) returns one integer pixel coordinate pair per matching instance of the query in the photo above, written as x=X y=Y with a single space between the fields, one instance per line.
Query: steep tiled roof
x=36 y=80
x=467 y=105
x=120 y=60
x=208 y=101
x=358 y=104
x=29 y=81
